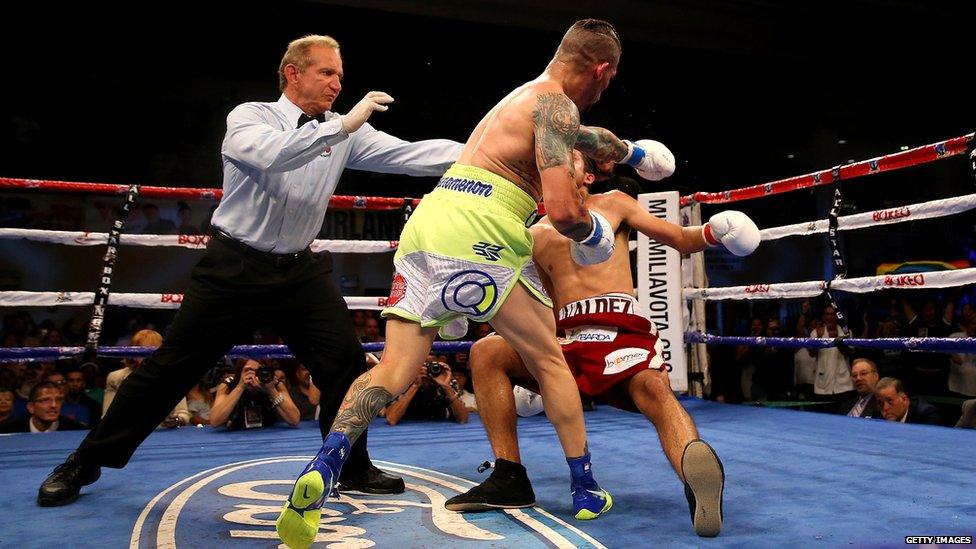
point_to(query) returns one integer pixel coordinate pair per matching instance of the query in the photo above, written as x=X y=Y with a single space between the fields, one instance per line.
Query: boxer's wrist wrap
x=595 y=235
x=708 y=236
x=634 y=156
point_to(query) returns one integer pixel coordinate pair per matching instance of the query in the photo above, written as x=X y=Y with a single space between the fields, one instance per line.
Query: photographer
x=253 y=398
x=178 y=417
x=433 y=395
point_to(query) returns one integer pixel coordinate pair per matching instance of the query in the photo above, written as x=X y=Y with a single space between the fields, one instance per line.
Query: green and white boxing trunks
x=463 y=250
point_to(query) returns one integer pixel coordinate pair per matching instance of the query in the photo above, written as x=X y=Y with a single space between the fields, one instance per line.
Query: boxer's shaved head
x=590 y=41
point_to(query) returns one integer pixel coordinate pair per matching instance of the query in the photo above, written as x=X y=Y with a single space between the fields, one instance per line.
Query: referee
x=281 y=161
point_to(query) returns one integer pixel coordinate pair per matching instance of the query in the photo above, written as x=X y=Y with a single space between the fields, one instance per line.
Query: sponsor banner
x=659 y=288
x=911 y=212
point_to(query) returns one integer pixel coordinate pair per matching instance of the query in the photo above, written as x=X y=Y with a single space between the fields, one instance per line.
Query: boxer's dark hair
x=625 y=185
x=590 y=41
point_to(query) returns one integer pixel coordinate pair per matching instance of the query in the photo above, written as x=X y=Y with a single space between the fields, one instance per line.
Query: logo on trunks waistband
x=469 y=186
x=591 y=334
x=603 y=304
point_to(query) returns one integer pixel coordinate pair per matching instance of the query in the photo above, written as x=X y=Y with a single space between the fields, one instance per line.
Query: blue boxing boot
x=298 y=523
x=589 y=500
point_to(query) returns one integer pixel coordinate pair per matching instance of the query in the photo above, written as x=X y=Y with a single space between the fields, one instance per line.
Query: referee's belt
x=278 y=260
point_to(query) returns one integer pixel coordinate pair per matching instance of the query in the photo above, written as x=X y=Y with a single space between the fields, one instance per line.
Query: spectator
x=482 y=330
x=429 y=397
x=185 y=214
x=962 y=367
x=833 y=379
x=6 y=404
x=43 y=413
x=303 y=392
x=462 y=381
x=180 y=415
x=76 y=412
x=371 y=331
x=928 y=373
x=75 y=396
x=864 y=373
x=199 y=400
x=968 y=418
x=94 y=382
x=154 y=223
x=33 y=374
x=461 y=361
x=747 y=359
x=359 y=322
x=774 y=373
x=243 y=401
x=897 y=406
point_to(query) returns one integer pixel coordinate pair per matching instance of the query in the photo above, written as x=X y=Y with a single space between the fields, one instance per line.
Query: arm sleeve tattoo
x=600 y=144
x=556 y=122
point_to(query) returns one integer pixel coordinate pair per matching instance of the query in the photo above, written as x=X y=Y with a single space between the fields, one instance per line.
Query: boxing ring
x=793 y=479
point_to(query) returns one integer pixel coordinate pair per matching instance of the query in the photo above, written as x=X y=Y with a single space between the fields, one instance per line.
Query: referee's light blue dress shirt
x=278 y=179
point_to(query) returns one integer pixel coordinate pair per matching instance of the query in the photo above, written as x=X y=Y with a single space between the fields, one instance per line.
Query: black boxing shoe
x=371 y=480
x=704 y=486
x=507 y=487
x=61 y=487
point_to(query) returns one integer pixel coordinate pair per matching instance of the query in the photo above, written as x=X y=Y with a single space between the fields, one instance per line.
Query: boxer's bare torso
x=504 y=142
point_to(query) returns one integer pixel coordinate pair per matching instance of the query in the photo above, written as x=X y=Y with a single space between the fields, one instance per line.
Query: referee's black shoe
x=704 y=486
x=61 y=487
x=507 y=487
x=372 y=480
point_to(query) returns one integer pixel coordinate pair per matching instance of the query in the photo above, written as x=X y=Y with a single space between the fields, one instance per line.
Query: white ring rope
x=143 y=301
x=861 y=285
x=889 y=216
x=194 y=241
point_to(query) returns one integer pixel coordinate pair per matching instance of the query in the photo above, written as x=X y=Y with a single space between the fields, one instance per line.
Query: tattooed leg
x=359 y=407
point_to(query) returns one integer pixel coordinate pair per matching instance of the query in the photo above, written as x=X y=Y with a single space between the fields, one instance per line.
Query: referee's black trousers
x=235 y=289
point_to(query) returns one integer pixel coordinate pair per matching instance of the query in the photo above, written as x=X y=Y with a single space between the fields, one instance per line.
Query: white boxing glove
x=734 y=230
x=597 y=247
x=651 y=159
x=527 y=403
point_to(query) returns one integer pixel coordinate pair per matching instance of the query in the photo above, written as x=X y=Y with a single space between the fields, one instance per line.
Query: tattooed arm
x=556 y=124
x=600 y=144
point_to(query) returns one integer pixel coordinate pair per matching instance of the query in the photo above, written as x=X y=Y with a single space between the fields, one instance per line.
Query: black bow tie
x=306 y=118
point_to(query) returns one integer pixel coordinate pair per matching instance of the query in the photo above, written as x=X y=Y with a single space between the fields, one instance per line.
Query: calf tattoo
x=360 y=406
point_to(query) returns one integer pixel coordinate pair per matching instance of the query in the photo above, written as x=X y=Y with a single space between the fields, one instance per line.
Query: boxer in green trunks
x=465 y=253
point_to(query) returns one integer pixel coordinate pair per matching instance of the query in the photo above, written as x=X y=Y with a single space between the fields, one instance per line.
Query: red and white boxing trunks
x=606 y=340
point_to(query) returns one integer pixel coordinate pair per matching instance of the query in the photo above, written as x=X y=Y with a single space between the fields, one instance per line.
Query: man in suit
x=864 y=374
x=897 y=406
x=44 y=413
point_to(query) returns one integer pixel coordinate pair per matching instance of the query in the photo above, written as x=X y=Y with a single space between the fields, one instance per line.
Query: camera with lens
x=266 y=374
x=434 y=368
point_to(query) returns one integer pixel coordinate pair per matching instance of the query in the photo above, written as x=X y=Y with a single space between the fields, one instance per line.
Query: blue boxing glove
x=597 y=247
x=652 y=160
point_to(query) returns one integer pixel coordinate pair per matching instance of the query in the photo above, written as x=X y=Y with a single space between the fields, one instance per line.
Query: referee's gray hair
x=297 y=54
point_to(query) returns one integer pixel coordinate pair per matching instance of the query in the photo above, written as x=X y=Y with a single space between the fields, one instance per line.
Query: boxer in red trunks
x=612 y=348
